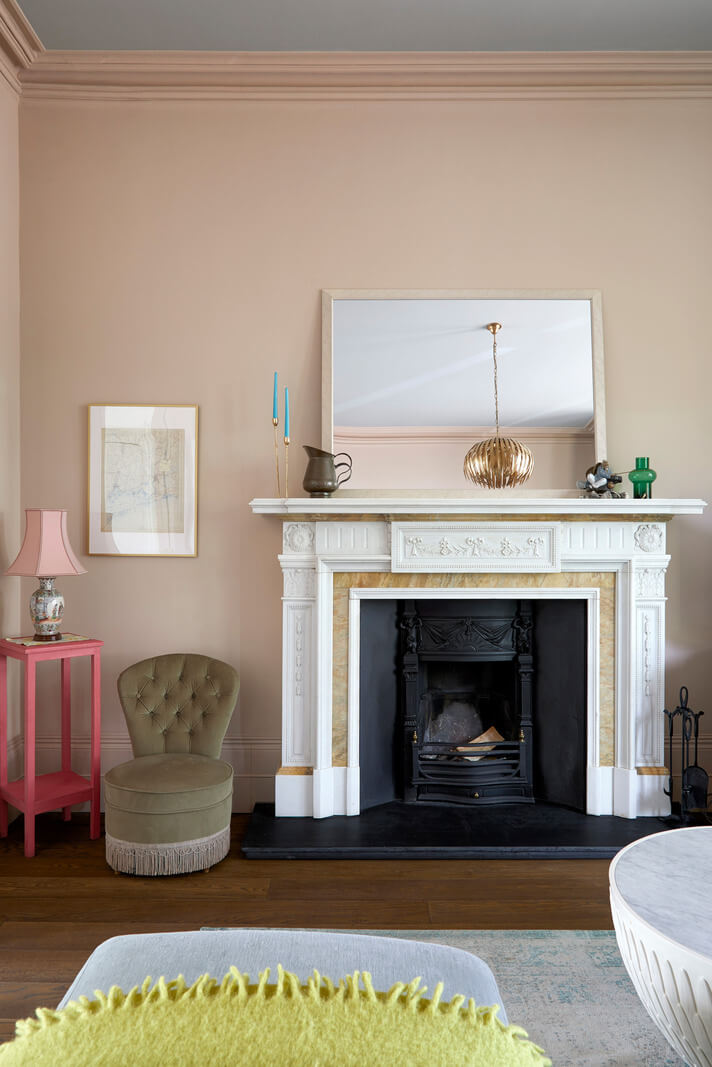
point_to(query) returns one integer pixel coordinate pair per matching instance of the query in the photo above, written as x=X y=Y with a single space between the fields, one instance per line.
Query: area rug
x=569 y=990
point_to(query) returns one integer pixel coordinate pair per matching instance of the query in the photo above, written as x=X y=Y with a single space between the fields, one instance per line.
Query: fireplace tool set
x=694 y=779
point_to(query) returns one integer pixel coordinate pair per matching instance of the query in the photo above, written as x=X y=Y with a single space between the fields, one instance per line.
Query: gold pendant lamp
x=498 y=462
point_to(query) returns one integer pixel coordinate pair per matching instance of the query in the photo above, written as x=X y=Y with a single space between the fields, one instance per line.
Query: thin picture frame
x=142 y=470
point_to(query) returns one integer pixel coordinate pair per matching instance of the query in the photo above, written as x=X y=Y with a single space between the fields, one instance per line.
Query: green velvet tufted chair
x=168 y=809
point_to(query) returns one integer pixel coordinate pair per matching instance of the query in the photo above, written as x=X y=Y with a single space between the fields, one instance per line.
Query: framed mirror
x=408 y=382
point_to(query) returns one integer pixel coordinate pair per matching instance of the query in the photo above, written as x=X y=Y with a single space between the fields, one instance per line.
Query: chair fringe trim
x=177 y=857
x=235 y=986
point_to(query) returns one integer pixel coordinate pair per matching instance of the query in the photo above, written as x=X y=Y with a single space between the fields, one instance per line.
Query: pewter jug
x=322 y=475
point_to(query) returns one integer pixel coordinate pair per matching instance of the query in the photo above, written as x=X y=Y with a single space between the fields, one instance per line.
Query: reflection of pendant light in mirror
x=498 y=462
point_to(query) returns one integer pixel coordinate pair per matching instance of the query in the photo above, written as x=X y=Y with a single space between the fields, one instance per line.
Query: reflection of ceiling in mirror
x=428 y=362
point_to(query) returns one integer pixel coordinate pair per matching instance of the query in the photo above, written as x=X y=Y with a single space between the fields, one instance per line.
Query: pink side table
x=35 y=793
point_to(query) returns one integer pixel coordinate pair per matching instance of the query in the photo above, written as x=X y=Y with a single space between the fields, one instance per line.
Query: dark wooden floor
x=56 y=908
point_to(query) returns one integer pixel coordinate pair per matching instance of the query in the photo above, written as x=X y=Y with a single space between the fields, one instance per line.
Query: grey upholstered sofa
x=125 y=961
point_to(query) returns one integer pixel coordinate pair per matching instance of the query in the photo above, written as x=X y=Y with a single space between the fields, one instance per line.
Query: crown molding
x=19 y=44
x=65 y=75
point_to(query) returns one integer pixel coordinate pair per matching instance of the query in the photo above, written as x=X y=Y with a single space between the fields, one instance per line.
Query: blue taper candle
x=275 y=407
x=286 y=412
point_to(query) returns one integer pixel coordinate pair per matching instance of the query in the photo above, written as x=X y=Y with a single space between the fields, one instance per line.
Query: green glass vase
x=642 y=478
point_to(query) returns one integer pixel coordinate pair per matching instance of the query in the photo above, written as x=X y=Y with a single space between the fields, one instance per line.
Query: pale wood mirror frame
x=328 y=296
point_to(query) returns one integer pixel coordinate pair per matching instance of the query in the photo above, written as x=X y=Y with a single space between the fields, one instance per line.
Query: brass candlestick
x=275 y=424
x=286 y=468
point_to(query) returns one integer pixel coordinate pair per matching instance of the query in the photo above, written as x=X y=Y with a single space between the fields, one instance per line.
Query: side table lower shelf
x=35 y=793
x=57 y=790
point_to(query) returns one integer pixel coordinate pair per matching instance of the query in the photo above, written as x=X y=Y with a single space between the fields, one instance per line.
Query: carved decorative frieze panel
x=650 y=582
x=518 y=546
x=650 y=537
x=298 y=680
x=299 y=582
x=298 y=537
x=352 y=538
x=649 y=668
x=602 y=538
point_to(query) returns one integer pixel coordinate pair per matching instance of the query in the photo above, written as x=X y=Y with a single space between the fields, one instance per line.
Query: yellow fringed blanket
x=232 y=1022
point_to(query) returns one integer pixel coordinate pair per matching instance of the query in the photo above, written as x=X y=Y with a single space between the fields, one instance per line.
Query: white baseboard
x=636 y=795
x=353 y=790
x=324 y=793
x=254 y=761
x=294 y=795
x=625 y=792
x=651 y=799
x=599 y=790
x=15 y=756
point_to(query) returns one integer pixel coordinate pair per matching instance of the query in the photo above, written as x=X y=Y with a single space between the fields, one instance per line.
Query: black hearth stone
x=434 y=831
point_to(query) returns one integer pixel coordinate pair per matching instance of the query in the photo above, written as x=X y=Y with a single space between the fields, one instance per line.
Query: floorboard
x=57 y=907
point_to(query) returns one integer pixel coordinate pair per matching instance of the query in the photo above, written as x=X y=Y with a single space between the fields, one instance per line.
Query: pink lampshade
x=46 y=551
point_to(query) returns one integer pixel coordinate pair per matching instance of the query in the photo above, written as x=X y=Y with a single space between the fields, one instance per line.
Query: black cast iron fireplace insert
x=556 y=718
x=466 y=722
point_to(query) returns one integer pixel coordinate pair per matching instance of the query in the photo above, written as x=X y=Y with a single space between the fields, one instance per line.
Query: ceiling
x=373 y=25
x=429 y=362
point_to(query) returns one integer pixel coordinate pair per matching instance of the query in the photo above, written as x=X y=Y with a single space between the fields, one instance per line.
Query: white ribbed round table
x=661 y=899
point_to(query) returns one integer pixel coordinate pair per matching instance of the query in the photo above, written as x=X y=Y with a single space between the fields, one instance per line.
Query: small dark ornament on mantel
x=694 y=780
x=600 y=482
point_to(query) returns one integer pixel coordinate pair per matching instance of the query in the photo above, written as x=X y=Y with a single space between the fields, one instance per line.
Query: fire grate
x=467 y=706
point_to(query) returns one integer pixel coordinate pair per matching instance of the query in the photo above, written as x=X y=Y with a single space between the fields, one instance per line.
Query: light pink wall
x=426 y=459
x=10 y=525
x=175 y=252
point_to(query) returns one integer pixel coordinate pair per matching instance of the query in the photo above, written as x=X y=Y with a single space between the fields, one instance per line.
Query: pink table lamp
x=45 y=553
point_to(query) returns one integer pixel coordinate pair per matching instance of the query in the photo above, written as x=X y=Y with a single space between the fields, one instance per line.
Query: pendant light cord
x=496 y=394
x=498 y=462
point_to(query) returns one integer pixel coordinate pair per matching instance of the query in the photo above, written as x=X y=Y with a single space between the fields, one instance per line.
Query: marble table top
x=666 y=880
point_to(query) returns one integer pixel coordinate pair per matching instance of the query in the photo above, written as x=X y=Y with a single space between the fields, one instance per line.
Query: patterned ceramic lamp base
x=46 y=611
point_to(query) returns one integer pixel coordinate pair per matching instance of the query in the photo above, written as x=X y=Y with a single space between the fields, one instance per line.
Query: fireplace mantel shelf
x=472 y=505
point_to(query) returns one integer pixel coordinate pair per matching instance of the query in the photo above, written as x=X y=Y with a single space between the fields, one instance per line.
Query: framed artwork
x=143 y=479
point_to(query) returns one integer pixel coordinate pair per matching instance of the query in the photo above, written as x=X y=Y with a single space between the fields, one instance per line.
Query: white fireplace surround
x=313 y=551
